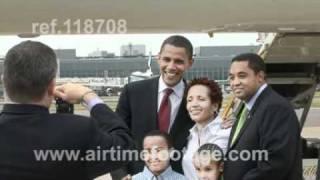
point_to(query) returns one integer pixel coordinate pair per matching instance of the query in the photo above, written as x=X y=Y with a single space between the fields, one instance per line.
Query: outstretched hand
x=74 y=93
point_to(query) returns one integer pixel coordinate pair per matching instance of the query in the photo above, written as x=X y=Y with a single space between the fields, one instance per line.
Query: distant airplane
x=138 y=75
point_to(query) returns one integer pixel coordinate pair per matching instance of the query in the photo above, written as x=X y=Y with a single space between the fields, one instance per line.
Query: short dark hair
x=215 y=151
x=29 y=67
x=215 y=92
x=179 y=41
x=255 y=62
x=162 y=134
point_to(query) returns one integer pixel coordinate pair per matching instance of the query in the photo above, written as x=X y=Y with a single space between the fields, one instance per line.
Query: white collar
x=164 y=174
x=255 y=97
x=210 y=126
x=177 y=89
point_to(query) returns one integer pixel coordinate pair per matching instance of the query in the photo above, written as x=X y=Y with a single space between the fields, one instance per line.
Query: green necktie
x=240 y=123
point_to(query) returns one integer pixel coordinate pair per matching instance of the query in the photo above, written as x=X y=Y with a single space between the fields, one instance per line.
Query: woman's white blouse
x=211 y=133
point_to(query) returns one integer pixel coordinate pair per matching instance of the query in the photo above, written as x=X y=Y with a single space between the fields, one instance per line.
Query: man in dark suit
x=267 y=125
x=140 y=102
x=37 y=145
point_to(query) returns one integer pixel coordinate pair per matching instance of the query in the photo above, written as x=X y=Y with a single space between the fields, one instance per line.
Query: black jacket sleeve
x=109 y=137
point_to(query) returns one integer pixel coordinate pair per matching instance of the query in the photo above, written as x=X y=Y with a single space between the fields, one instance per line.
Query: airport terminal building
x=209 y=61
x=212 y=62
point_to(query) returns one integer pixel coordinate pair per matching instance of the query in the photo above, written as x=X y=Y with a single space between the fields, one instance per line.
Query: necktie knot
x=245 y=111
x=167 y=92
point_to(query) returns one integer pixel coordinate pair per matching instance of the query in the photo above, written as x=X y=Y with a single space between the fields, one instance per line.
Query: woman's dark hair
x=215 y=92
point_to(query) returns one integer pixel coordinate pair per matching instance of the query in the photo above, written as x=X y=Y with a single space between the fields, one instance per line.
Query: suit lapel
x=245 y=125
x=260 y=99
x=235 y=124
x=248 y=118
x=152 y=104
x=182 y=114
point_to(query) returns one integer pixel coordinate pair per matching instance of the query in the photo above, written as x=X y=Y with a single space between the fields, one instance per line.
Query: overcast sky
x=85 y=44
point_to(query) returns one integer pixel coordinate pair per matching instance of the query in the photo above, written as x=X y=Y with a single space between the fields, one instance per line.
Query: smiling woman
x=204 y=98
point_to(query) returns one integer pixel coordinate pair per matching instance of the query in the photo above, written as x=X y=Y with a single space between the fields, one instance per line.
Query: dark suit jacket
x=138 y=107
x=271 y=125
x=25 y=129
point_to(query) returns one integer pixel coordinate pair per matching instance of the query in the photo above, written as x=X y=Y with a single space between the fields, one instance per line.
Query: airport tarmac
x=311 y=127
x=313 y=118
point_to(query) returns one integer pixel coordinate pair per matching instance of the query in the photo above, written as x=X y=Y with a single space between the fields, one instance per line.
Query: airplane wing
x=150 y=16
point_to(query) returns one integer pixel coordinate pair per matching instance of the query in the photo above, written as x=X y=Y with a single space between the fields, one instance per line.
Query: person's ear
x=170 y=152
x=190 y=61
x=261 y=76
x=51 y=87
x=158 y=58
x=214 y=109
x=221 y=165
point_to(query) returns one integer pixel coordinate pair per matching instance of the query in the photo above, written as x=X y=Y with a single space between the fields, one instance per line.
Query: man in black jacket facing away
x=35 y=144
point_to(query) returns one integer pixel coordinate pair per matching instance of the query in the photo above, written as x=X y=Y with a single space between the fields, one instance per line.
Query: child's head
x=156 y=146
x=208 y=162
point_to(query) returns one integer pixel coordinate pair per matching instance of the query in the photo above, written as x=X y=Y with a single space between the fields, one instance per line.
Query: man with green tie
x=267 y=123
